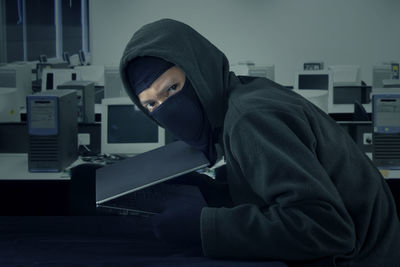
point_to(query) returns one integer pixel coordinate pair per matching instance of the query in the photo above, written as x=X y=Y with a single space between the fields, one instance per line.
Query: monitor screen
x=387 y=112
x=125 y=129
x=129 y=125
x=313 y=81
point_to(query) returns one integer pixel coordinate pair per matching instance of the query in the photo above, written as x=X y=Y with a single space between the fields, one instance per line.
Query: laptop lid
x=146 y=169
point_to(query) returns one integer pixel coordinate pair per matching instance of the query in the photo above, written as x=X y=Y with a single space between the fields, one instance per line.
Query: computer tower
x=386 y=135
x=85 y=96
x=113 y=86
x=380 y=73
x=52 y=130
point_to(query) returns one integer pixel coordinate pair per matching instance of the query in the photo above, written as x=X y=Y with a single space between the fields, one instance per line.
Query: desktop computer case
x=386 y=150
x=54 y=152
x=85 y=95
x=386 y=139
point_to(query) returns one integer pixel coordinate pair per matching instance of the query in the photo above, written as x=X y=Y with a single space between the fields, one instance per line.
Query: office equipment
x=386 y=122
x=346 y=75
x=313 y=80
x=127 y=130
x=14 y=137
x=15 y=165
x=380 y=73
x=250 y=69
x=315 y=86
x=42 y=58
x=49 y=65
x=94 y=73
x=391 y=83
x=9 y=105
x=313 y=66
x=53 y=130
x=147 y=169
x=395 y=71
x=30 y=64
x=18 y=76
x=74 y=60
x=360 y=114
x=361 y=133
x=83 y=58
x=149 y=201
x=348 y=89
x=51 y=78
x=85 y=97
x=66 y=58
x=344 y=97
x=113 y=86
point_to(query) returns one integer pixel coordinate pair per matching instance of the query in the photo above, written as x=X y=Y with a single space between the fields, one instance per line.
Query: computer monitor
x=125 y=129
x=18 y=76
x=262 y=71
x=313 y=80
x=315 y=86
x=345 y=75
x=82 y=57
x=74 y=60
x=66 y=57
x=94 y=73
x=51 y=78
x=113 y=86
x=43 y=58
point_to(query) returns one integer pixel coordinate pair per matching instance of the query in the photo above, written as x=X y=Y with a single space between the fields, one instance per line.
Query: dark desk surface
x=96 y=241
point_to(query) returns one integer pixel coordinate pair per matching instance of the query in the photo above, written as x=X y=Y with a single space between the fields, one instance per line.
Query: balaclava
x=182 y=113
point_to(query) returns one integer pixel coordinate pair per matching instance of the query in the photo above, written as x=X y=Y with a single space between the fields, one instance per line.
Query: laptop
x=140 y=185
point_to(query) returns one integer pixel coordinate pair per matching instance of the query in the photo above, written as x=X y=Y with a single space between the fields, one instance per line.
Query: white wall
x=281 y=32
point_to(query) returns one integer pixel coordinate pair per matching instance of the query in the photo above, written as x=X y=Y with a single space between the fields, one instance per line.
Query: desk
x=392 y=177
x=390 y=173
x=26 y=193
x=96 y=241
x=15 y=167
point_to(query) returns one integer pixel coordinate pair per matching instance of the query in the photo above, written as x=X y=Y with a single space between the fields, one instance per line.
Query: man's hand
x=179 y=222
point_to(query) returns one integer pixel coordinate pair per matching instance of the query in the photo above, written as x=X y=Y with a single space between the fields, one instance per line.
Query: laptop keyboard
x=148 y=199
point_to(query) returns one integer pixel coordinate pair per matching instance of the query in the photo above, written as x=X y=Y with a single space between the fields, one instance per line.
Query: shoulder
x=264 y=102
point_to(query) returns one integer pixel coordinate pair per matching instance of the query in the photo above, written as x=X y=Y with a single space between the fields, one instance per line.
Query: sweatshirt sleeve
x=303 y=217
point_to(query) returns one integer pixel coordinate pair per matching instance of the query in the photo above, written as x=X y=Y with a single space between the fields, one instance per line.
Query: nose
x=161 y=100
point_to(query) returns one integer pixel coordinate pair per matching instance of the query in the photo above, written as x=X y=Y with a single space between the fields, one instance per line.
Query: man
x=302 y=191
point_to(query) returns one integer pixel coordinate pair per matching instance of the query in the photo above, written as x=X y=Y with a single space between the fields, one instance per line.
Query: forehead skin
x=173 y=75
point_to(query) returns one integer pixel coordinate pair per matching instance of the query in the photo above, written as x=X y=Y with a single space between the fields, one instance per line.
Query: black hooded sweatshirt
x=303 y=192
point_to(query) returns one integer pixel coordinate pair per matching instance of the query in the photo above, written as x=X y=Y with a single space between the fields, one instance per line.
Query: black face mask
x=183 y=115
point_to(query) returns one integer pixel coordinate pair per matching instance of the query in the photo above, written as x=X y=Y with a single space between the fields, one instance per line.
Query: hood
x=206 y=67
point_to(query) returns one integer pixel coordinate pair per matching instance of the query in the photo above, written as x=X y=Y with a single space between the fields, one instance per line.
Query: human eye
x=172 y=89
x=150 y=105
